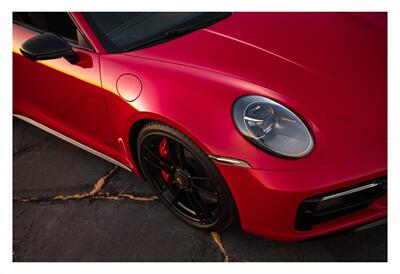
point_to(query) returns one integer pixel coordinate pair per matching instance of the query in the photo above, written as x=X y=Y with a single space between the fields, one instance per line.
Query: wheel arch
x=144 y=118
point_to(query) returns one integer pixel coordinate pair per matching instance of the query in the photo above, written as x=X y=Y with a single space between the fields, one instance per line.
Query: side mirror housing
x=48 y=46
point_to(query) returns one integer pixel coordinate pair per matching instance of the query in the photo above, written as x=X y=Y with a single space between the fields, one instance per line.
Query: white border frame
x=6 y=9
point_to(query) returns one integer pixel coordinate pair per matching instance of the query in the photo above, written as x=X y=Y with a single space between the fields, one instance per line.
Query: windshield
x=125 y=31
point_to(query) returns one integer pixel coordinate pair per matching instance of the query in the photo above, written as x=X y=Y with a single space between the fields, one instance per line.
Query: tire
x=202 y=202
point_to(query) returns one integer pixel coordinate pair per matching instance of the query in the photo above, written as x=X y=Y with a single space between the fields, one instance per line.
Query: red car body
x=329 y=68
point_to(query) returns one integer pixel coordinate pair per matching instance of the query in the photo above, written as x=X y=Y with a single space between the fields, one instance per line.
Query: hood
x=336 y=62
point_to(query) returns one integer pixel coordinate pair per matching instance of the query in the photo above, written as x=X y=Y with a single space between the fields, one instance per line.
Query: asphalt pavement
x=71 y=206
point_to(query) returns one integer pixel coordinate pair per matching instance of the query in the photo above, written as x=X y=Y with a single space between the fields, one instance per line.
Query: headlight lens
x=272 y=127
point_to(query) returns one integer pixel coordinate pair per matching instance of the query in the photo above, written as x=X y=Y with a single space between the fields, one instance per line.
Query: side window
x=56 y=22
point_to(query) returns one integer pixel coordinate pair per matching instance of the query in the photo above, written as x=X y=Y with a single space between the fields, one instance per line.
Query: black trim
x=110 y=47
x=91 y=48
x=106 y=43
x=309 y=212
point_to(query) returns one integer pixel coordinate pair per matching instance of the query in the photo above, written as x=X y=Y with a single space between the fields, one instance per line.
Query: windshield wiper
x=176 y=33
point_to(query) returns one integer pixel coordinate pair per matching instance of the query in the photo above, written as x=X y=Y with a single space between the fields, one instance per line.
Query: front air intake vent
x=331 y=205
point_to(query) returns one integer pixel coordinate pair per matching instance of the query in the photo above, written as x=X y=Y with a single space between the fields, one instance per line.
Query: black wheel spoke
x=176 y=197
x=195 y=209
x=163 y=164
x=196 y=178
x=199 y=204
x=205 y=190
x=180 y=155
x=184 y=182
x=154 y=164
x=170 y=195
x=172 y=154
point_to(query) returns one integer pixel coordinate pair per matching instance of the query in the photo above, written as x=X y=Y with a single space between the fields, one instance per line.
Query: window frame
x=69 y=41
x=108 y=46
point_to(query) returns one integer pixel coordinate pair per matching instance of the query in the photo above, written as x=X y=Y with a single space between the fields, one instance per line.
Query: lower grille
x=331 y=205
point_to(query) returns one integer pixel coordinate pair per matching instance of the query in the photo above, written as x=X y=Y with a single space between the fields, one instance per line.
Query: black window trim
x=71 y=42
x=108 y=46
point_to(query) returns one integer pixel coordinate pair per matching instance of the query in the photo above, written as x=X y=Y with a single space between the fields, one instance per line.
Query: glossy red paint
x=329 y=68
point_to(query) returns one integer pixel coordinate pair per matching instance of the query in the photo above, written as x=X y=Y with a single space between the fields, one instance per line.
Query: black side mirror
x=48 y=46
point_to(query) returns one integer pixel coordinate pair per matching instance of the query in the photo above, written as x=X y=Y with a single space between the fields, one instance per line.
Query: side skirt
x=72 y=141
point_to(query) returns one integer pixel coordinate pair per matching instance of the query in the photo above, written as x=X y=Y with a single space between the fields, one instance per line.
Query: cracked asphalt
x=69 y=205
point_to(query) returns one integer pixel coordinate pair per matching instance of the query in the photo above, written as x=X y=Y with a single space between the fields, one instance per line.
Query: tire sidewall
x=227 y=206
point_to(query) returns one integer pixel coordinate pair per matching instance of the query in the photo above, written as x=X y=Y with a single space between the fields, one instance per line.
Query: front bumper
x=268 y=201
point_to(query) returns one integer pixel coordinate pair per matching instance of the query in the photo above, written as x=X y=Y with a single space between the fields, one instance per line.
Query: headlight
x=272 y=127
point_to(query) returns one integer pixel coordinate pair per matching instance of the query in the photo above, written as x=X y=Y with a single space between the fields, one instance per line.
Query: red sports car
x=276 y=119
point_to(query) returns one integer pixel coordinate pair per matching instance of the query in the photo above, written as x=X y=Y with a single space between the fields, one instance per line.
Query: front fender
x=198 y=102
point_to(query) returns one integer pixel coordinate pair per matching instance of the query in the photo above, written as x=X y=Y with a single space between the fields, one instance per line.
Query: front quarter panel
x=198 y=102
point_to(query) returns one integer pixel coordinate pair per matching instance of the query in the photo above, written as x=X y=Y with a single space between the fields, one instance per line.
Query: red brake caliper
x=164 y=152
